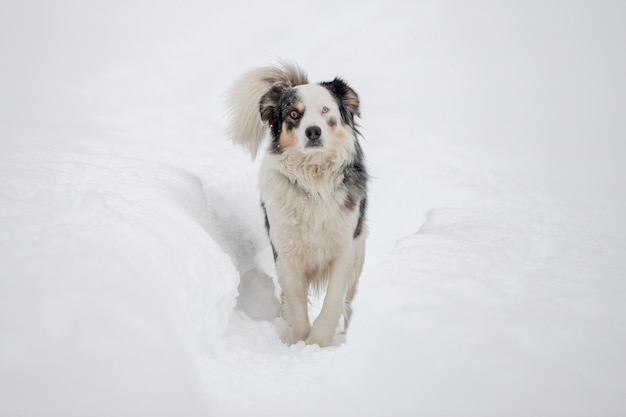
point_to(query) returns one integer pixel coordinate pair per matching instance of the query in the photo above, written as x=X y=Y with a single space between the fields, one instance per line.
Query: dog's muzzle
x=313 y=134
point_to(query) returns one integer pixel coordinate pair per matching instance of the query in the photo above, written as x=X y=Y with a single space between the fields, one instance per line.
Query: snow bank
x=489 y=312
x=110 y=283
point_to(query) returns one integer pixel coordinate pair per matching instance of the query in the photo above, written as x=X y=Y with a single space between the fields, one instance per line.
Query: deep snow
x=135 y=276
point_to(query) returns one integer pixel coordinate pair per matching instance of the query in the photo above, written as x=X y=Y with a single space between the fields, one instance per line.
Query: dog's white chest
x=305 y=226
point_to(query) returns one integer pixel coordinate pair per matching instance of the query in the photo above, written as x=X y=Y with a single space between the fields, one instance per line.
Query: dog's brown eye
x=294 y=114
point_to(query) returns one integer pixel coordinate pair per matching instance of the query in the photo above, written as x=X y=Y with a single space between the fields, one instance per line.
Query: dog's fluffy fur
x=313 y=185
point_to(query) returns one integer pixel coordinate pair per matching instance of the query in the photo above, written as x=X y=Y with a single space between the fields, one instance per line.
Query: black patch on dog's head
x=275 y=108
x=268 y=106
x=287 y=104
x=347 y=99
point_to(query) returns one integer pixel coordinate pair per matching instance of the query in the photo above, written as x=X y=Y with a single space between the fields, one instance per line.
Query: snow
x=135 y=274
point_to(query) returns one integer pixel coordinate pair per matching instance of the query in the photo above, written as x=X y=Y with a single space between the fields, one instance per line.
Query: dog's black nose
x=313 y=133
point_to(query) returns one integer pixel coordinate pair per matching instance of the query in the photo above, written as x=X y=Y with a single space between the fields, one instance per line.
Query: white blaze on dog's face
x=320 y=121
x=312 y=121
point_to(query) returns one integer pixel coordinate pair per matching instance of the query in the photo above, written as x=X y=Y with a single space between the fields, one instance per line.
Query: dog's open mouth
x=314 y=143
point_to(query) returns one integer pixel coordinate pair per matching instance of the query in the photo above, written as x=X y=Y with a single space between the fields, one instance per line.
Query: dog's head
x=310 y=117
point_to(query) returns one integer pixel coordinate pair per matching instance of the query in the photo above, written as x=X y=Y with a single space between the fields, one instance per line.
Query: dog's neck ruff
x=313 y=195
x=317 y=175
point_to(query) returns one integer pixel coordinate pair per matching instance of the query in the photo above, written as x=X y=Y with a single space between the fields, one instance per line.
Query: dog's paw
x=322 y=341
x=299 y=334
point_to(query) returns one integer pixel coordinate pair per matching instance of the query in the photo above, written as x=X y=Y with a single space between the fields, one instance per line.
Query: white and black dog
x=313 y=184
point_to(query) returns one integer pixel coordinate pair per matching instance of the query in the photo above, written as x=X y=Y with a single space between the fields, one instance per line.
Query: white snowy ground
x=495 y=283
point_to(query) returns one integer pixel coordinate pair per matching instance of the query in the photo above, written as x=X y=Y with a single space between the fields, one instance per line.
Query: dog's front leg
x=340 y=279
x=295 y=287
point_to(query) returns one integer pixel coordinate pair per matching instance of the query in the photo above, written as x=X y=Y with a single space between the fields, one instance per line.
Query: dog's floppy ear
x=346 y=96
x=269 y=103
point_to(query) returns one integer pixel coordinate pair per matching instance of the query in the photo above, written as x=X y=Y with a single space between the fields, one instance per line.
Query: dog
x=313 y=185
